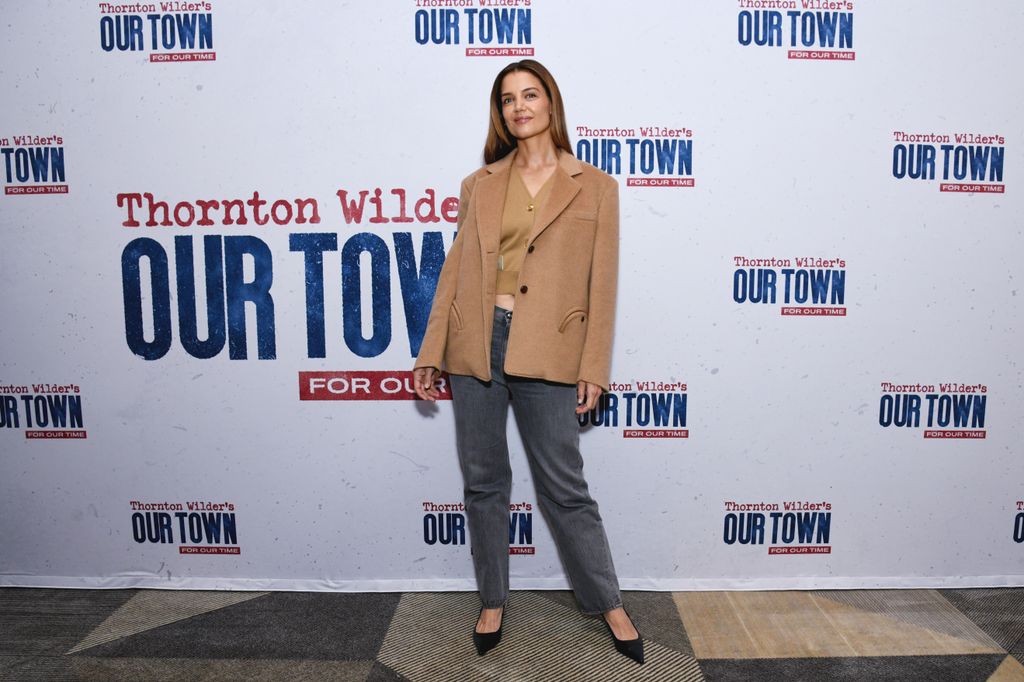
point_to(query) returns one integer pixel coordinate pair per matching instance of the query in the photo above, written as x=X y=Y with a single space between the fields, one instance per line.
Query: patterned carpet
x=905 y=635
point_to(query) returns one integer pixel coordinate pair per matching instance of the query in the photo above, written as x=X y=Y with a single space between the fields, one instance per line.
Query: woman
x=537 y=239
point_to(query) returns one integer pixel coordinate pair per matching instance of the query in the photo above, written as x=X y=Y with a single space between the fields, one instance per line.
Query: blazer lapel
x=490 y=203
x=563 y=189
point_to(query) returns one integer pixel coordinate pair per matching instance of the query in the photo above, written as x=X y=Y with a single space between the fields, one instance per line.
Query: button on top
x=530 y=249
x=523 y=289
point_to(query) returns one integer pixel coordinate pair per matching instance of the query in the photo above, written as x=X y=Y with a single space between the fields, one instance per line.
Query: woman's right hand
x=423 y=381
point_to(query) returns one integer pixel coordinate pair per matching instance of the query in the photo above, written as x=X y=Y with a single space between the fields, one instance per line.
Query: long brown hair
x=499 y=140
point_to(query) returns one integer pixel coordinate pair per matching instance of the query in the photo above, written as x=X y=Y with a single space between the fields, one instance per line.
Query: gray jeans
x=546 y=417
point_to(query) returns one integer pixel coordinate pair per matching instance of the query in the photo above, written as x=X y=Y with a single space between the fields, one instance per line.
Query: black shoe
x=631 y=648
x=485 y=641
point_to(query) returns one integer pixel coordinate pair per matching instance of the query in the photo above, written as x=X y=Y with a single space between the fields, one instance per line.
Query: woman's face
x=525 y=106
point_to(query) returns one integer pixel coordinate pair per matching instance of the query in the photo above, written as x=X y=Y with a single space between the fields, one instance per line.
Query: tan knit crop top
x=517 y=221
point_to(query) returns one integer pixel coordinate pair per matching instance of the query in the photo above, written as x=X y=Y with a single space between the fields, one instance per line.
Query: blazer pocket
x=575 y=313
x=580 y=215
x=456 y=316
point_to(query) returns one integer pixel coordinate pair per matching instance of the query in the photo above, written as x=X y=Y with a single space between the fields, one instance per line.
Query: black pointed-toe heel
x=485 y=641
x=630 y=648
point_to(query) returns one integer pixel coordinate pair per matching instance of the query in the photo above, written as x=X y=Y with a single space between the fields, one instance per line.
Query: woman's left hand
x=587 y=395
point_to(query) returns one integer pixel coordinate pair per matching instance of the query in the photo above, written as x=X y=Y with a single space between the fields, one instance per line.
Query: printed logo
x=803 y=25
x=804 y=287
x=365 y=385
x=649 y=156
x=196 y=527
x=33 y=164
x=948 y=411
x=962 y=162
x=642 y=409
x=445 y=524
x=789 y=528
x=183 y=31
x=232 y=289
x=44 y=411
x=488 y=28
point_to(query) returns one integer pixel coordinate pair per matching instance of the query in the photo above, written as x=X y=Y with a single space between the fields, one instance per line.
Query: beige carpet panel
x=1009 y=671
x=807 y=625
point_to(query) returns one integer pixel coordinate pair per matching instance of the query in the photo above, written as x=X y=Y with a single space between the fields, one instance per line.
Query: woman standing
x=537 y=239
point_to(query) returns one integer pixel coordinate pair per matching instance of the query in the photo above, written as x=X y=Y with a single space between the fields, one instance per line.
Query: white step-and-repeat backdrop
x=223 y=224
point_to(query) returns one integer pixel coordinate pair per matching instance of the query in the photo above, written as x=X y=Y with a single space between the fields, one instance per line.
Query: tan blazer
x=565 y=296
